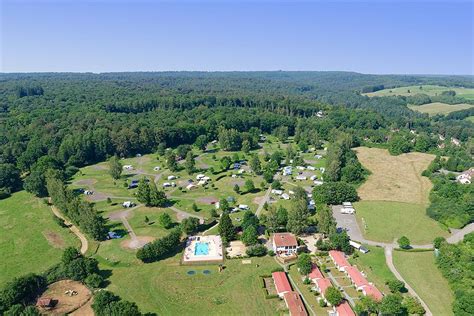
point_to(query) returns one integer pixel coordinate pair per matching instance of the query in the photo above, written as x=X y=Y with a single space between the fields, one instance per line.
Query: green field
x=470 y=119
x=31 y=241
x=385 y=221
x=165 y=288
x=373 y=264
x=440 y=108
x=430 y=90
x=420 y=271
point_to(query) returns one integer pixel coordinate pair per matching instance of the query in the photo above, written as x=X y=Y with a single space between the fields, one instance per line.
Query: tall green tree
x=298 y=217
x=226 y=228
x=190 y=163
x=143 y=193
x=115 y=167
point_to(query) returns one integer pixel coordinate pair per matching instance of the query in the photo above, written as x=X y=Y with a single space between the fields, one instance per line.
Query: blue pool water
x=201 y=249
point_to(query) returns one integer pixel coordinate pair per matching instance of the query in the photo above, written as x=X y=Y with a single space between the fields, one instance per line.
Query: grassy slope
x=470 y=118
x=430 y=90
x=420 y=271
x=439 y=108
x=373 y=264
x=386 y=221
x=24 y=221
x=165 y=288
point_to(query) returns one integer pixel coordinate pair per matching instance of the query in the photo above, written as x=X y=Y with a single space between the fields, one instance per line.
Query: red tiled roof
x=294 y=304
x=357 y=278
x=339 y=258
x=315 y=273
x=344 y=309
x=281 y=282
x=370 y=290
x=284 y=240
x=323 y=284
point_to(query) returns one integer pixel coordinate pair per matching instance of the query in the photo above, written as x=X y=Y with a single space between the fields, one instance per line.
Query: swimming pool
x=201 y=249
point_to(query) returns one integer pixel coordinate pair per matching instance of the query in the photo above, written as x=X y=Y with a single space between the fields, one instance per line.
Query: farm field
x=430 y=90
x=374 y=265
x=31 y=241
x=420 y=271
x=440 y=108
x=394 y=178
x=395 y=196
x=385 y=221
x=165 y=287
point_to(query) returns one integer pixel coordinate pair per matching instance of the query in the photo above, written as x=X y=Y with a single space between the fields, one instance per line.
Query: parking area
x=347 y=222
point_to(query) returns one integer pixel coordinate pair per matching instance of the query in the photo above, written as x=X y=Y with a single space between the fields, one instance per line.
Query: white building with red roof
x=281 y=283
x=356 y=277
x=343 y=309
x=284 y=243
x=315 y=273
x=294 y=304
x=339 y=260
x=322 y=285
x=370 y=290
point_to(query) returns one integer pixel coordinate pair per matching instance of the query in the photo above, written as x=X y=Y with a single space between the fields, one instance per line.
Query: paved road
x=73 y=228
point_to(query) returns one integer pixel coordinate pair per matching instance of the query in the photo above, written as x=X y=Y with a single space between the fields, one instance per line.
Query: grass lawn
x=431 y=90
x=420 y=271
x=385 y=221
x=373 y=264
x=470 y=119
x=165 y=288
x=31 y=241
x=440 y=108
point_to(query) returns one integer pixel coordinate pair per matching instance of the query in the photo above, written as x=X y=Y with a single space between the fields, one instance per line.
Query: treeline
x=452 y=203
x=341 y=161
x=159 y=248
x=373 y=88
x=455 y=262
x=448 y=97
x=79 y=211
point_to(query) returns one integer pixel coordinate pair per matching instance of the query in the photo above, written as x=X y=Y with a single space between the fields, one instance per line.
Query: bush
x=279 y=269
x=271 y=253
x=256 y=251
x=404 y=242
x=395 y=286
x=94 y=280
x=161 y=247
x=322 y=303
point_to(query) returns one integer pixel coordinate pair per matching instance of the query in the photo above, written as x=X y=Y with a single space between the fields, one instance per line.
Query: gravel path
x=73 y=228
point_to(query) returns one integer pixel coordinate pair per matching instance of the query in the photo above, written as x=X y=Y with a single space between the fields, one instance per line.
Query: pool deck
x=215 y=252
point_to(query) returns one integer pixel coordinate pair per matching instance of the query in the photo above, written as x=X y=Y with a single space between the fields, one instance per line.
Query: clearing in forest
x=394 y=178
x=430 y=90
x=440 y=108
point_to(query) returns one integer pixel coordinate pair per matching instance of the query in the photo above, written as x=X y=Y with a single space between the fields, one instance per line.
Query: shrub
x=256 y=251
x=271 y=253
x=94 y=280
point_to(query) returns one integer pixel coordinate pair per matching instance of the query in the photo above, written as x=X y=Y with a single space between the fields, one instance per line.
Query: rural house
x=282 y=285
x=294 y=304
x=284 y=243
x=339 y=260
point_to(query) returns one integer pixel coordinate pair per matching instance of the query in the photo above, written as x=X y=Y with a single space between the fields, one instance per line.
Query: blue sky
x=421 y=37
